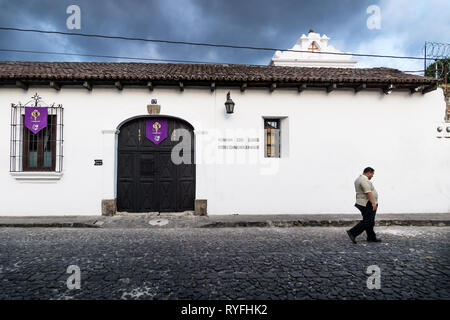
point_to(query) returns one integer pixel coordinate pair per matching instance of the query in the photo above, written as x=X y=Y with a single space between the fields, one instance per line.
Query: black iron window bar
x=37 y=152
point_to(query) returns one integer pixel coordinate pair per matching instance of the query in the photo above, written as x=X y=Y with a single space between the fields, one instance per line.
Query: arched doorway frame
x=149 y=116
x=156 y=116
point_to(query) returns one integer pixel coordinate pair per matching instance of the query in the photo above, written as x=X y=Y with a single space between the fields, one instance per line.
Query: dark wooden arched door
x=147 y=179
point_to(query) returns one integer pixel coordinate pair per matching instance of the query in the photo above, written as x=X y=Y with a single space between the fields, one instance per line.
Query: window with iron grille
x=272 y=138
x=40 y=151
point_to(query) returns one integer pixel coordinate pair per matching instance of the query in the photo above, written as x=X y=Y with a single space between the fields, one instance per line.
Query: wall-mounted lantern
x=388 y=89
x=229 y=104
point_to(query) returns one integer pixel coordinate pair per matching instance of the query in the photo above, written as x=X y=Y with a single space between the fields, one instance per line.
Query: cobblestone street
x=223 y=263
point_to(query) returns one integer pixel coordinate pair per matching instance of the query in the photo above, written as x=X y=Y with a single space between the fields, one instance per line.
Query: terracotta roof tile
x=198 y=72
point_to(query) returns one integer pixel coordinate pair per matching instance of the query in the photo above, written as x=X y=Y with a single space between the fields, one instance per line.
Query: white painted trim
x=114 y=131
x=38 y=176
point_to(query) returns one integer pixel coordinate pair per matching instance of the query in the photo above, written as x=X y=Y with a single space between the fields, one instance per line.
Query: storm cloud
x=405 y=25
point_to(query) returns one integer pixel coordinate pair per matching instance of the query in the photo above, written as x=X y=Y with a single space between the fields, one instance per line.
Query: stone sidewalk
x=188 y=220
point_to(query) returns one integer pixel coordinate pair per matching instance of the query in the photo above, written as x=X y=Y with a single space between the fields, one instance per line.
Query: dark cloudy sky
x=405 y=25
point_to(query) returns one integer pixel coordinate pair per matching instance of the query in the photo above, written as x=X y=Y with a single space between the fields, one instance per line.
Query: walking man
x=367 y=203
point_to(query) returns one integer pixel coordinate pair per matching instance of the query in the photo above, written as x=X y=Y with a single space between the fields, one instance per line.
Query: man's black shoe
x=352 y=237
x=373 y=240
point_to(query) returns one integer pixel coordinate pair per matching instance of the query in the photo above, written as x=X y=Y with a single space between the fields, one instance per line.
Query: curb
x=48 y=225
x=324 y=223
x=233 y=224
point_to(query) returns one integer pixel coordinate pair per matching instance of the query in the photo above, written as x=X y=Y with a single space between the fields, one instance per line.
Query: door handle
x=139 y=135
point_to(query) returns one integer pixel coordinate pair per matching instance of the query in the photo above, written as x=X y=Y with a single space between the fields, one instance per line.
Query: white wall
x=331 y=138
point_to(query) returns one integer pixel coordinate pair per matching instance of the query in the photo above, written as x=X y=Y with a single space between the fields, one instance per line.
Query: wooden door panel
x=167 y=182
x=145 y=188
x=167 y=196
x=125 y=200
x=147 y=179
x=147 y=201
x=186 y=194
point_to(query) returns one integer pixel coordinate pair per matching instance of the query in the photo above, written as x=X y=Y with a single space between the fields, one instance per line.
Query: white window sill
x=37 y=176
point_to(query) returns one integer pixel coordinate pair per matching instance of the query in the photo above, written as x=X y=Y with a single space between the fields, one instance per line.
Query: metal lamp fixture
x=229 y=104
x=388 y=89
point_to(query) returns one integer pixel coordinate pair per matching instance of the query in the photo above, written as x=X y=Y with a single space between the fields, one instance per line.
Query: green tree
x=431 y=69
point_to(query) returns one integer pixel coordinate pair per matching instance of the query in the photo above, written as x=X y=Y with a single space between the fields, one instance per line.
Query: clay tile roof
x=23 y=70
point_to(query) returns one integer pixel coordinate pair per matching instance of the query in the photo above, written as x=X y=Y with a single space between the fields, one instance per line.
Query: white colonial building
x=87 y=138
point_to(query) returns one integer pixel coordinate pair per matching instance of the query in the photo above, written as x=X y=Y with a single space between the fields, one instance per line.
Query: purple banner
x=36 y=118
x=156 y=130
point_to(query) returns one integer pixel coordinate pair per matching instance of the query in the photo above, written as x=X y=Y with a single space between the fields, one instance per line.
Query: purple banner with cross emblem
x=36 y=118
x=156 y=130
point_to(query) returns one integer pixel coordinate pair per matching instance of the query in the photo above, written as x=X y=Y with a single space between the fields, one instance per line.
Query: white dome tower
x=312 y=43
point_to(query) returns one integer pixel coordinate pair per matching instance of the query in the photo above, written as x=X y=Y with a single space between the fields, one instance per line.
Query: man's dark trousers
x=367 y=223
